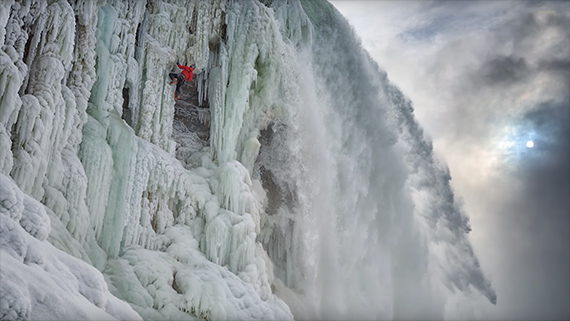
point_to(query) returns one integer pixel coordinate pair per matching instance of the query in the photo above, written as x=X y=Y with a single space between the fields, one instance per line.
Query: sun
x=530 y=144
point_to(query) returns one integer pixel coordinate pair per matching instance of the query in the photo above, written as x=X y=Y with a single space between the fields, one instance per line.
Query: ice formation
x=40 y=282
x=295 y=183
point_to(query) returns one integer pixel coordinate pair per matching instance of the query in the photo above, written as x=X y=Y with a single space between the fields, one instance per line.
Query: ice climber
x=178 y=79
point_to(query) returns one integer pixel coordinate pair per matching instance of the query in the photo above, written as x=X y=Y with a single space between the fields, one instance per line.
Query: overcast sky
x=485 y=78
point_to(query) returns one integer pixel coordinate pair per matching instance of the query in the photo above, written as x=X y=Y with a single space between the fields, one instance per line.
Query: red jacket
x=186 y=72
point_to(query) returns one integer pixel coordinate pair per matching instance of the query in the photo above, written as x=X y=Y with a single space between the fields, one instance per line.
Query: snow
x=187 y=280
x=39 y=281
x=304 y=201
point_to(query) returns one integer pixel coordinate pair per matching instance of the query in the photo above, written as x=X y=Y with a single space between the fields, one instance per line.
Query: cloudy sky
x=485 y=78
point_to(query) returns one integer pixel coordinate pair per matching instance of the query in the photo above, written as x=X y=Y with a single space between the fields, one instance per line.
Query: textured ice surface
x=113 y=191
x=40 y=282
x=314 y=195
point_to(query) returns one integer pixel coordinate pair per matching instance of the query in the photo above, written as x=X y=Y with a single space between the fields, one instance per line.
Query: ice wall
x=317 y=197
x=172 y=242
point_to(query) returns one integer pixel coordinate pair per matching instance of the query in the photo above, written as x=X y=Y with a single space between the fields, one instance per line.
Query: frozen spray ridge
x=315 y=195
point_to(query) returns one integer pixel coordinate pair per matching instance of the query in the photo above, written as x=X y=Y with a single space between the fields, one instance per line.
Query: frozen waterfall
x=291 y=181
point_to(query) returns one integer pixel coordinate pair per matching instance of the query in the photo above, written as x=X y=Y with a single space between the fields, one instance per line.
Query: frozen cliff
x=290 y=181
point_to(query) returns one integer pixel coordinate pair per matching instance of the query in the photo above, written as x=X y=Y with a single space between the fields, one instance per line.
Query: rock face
x=291 y=179
x=191 y=124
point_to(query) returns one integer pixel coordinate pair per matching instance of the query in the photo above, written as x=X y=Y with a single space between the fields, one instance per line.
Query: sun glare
x=530 y=144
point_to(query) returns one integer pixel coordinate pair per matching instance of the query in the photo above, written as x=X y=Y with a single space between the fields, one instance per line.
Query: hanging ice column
x=244 y=97
x=245 y=90
x=48 y=107
x=12 y=71
x=107 y=147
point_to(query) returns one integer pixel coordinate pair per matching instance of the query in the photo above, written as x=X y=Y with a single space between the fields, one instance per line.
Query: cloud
x=547 y=169
x=512 y=79
x=485 y=77
x=531 y=220
x=556 y=65
x=505 y=69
